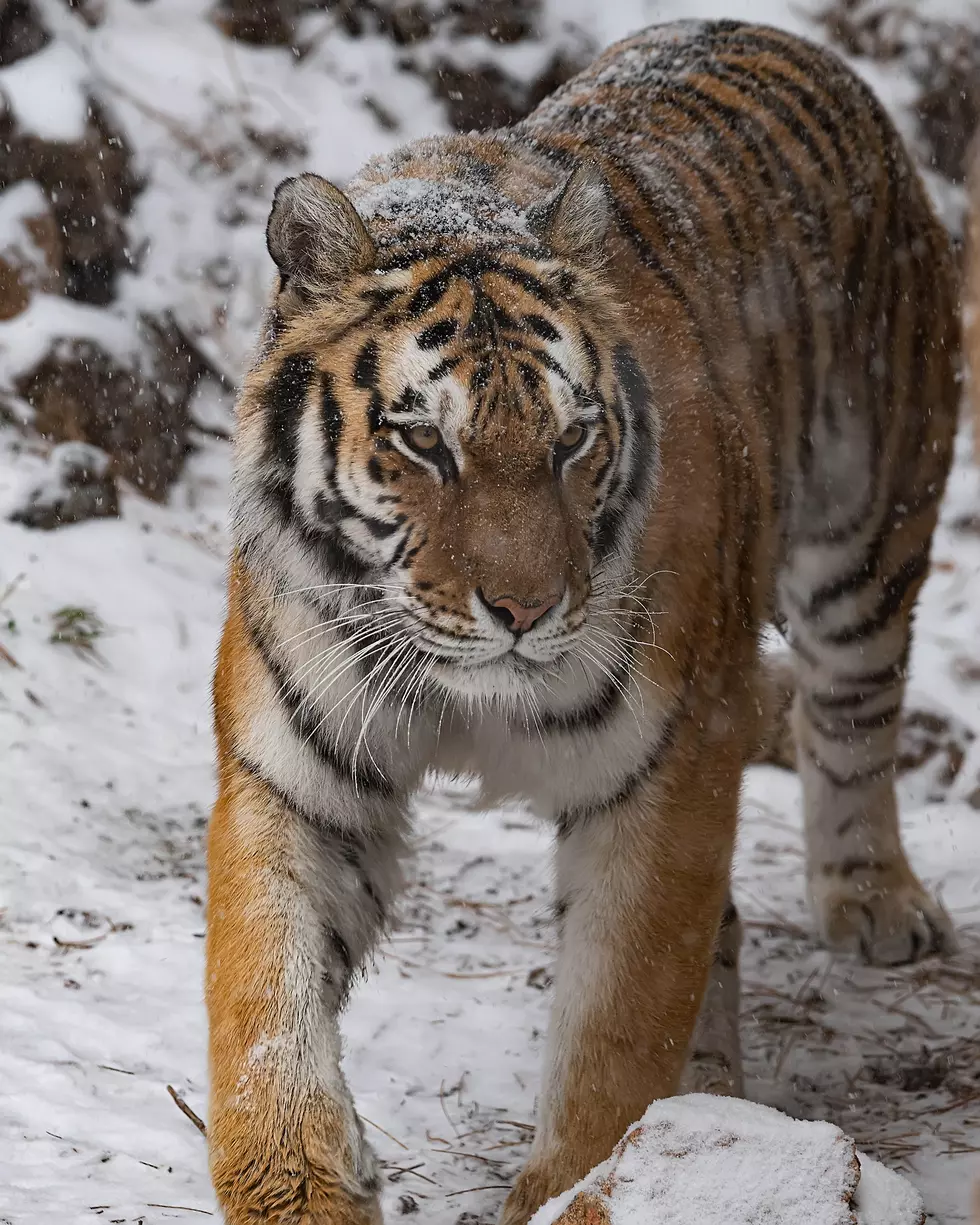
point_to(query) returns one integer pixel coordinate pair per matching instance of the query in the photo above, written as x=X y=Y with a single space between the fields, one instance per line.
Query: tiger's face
x=460 y=440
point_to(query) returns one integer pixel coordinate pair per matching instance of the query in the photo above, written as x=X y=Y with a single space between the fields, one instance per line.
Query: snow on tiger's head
x=446 y=408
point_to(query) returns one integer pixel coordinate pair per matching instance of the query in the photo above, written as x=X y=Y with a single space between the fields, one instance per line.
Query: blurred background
x=140 y=143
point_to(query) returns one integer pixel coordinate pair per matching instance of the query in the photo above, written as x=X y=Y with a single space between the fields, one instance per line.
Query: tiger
x=546 y=427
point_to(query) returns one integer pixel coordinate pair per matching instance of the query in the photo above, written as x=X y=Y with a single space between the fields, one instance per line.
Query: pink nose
x=515 y=615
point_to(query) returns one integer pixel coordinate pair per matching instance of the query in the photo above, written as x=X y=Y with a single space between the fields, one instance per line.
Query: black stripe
x=284 y=399
x=893 y=596
x=331 y=417
x=860 y=778
x=446 y=366
x=748 y=133
x=352 y=849
x=849 y=583
x=332 y=509
x=761 y=94
x=635 y=433
x=532 y=285
x=845 y=701
x=342 y=950
x=591 y=354
x=279 y=793
x=890 y=675
x=325 y=548
x=378 y=299
x=541 y=327
x=437 y=334
x=849 y=728
x=568 y=818
x=729 y=916
x=530 y=377
x=595 y=713
x=366 y=366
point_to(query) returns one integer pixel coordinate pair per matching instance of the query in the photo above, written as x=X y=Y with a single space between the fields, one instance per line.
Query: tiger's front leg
x=641 y=884
x=292 y=913
x=300 y=883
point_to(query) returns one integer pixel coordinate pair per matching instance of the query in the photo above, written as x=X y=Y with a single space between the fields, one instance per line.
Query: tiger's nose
x=516 y=616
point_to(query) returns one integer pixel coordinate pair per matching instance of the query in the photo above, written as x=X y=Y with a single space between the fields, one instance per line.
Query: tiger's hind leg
x=851 y=636
x=714 y=1063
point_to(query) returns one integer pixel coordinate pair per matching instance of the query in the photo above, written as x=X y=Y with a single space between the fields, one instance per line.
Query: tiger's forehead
x=488 y=346
x=485 y=311
x=482 y=387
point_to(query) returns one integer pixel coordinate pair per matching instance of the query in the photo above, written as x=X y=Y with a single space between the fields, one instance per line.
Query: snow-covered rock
x=700 y=1160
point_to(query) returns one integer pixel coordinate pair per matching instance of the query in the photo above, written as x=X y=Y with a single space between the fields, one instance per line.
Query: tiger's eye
x=571 y=437
x=424 y=437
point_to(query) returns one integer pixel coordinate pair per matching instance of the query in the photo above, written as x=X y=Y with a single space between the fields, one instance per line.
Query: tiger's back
x=545 y=425
x=763 y=196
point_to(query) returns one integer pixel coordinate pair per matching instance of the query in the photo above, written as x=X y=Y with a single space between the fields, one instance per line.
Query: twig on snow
x=399 y=1170
x=492 y=1186
x=378 y=1127
x=198 y=1122
x=182 y=1208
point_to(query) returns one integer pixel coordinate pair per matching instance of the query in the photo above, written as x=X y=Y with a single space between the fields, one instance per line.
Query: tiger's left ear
x=574 y=222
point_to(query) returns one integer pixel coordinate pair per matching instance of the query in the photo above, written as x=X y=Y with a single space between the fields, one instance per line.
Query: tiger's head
x=450 y=429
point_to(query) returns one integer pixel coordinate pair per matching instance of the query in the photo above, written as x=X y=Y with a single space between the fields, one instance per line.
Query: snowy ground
x=106 y=780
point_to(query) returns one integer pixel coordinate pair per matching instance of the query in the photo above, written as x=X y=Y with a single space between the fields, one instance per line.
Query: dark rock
x=942 y=56
x=948 y=108
x=21 y=32
x=262 y=23
x=137 y=413
x=78 y=486
x=483 y=97
x=91 y=186
x=407 y=24
x=476 y=98
x=501 y=21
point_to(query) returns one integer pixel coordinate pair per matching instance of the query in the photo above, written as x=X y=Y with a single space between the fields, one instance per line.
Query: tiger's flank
x=544 y=427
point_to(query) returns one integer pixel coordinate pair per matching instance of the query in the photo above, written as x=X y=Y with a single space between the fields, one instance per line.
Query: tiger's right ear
x=315 y=235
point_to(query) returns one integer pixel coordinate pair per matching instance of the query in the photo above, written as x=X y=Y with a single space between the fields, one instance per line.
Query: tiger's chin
x=504 y=683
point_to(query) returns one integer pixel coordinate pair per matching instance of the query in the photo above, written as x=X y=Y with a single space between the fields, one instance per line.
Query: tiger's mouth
x=473 y=654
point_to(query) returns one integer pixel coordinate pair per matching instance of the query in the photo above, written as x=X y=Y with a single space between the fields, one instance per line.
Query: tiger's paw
x=881 y=912
x=535 y=1185
x=304 y=1175
x=327 y=1211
